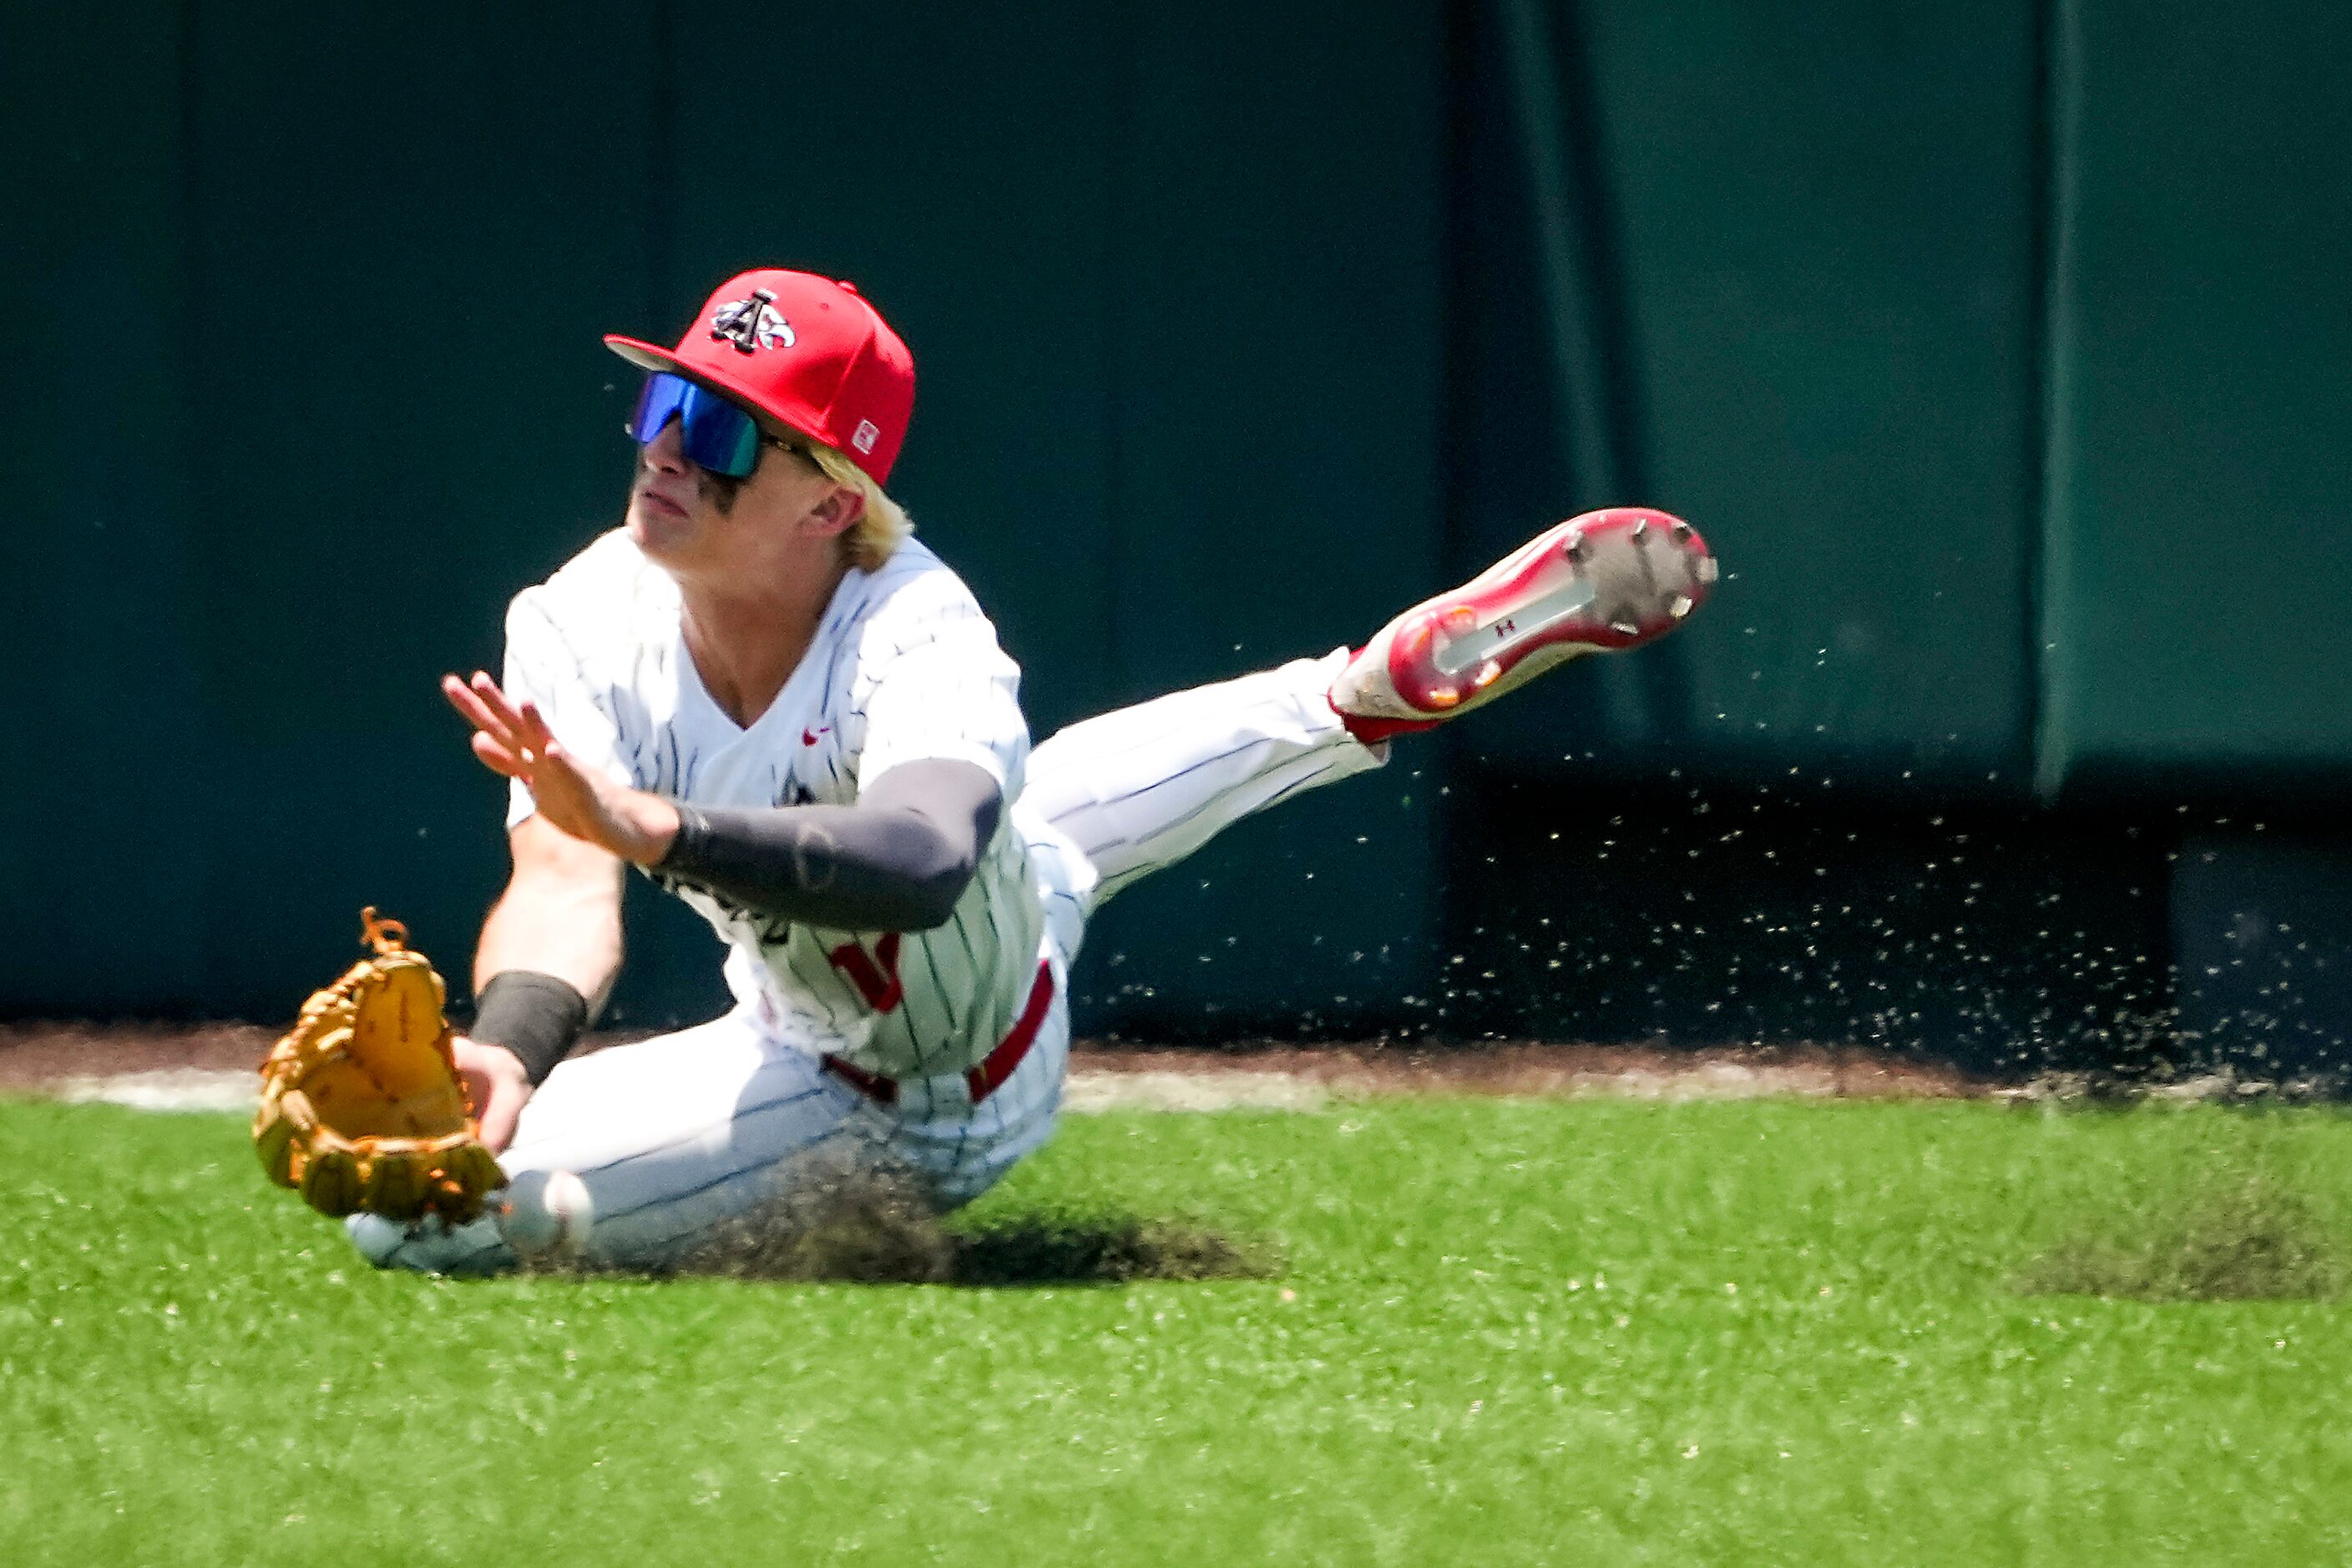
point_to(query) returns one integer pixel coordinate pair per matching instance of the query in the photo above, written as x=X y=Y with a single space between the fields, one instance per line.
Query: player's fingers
x=476 y=711
x=453 y=691
x=486 y=691
x=499 y=1115
x=535 y=733
x=512 y=731
x=496 y=757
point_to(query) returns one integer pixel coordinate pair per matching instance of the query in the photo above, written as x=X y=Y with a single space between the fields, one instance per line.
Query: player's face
x=784 y=516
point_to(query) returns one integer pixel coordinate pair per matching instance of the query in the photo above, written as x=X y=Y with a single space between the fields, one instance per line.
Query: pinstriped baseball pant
x=678 y=1137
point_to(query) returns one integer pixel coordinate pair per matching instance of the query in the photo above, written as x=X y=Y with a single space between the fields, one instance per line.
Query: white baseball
x=575 y=1212
x=548 y=1213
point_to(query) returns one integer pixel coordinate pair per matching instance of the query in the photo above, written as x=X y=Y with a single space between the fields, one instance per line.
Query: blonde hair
x=883 y=523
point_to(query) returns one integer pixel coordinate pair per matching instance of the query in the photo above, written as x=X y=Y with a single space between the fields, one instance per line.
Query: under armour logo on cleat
x=752 y=323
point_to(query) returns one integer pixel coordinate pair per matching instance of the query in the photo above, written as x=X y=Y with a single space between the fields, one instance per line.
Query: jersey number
x=877 y=982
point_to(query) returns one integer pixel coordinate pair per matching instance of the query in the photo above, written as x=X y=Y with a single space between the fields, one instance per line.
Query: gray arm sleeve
x=897 y=860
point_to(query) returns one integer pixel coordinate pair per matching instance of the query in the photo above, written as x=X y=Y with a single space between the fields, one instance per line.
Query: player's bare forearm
x=555 y=933
x=560 y=915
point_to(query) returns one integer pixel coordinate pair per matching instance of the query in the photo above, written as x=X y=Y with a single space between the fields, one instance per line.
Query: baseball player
x=766 y=695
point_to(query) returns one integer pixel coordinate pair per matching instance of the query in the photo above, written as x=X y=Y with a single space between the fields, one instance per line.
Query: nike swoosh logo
x=808 y=737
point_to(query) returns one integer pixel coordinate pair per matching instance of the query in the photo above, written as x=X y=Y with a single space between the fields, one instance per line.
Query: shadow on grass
x=2248 y=1236
x=1117 y=1249
x=874 y=1235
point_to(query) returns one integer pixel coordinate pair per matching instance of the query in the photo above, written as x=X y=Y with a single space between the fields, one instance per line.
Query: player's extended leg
x=1144 y=786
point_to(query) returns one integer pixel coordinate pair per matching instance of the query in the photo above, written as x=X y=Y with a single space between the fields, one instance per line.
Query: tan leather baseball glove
x=362 y=1107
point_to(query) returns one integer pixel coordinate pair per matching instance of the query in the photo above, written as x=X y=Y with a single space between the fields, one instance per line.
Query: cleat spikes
x=1593 y=584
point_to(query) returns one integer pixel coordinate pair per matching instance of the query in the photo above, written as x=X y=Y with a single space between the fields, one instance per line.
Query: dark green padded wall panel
x=108 y=765
x=1280 y=350
x=308 y=302
x=1175 y=292
x=2201 y=543
x=1819 y=224
x=411 y=224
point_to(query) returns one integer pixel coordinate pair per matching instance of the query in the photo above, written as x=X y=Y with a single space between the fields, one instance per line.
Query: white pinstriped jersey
x=904 y=667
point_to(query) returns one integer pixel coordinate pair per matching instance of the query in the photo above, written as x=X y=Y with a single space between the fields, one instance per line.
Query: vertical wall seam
x=2055 y=664
x=1558 y=128
x=1655 y=693
x=2033 y=437
x=1529 y=49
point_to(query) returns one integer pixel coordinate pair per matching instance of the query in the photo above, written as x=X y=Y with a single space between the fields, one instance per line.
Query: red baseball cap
x=807 y=352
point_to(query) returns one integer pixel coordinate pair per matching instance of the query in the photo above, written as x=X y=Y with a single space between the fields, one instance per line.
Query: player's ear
x=835 y=513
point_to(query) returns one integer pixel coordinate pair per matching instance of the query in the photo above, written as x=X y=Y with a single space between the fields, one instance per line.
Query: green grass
x=1505 y=1332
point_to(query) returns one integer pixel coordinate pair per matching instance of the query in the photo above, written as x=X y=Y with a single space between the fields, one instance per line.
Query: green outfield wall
x=2199 y=533
x=2001 y=349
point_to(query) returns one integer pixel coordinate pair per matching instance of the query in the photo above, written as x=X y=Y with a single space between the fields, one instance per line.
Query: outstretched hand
x=496 y=1087
x=514 y=740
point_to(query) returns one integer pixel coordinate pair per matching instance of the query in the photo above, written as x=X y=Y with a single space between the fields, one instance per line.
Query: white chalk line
x=168 y=1088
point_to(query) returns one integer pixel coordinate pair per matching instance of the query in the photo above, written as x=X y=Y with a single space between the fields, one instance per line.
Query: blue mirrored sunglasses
x=717 y=435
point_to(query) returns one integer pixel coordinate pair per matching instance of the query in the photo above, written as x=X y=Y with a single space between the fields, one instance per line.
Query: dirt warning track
x=211 y=1068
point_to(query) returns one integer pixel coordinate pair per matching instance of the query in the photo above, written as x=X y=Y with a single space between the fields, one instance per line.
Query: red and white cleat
x=1607 y=580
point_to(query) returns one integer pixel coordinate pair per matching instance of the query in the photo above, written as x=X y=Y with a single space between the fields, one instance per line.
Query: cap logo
x=865 y=435
x=751 y=323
